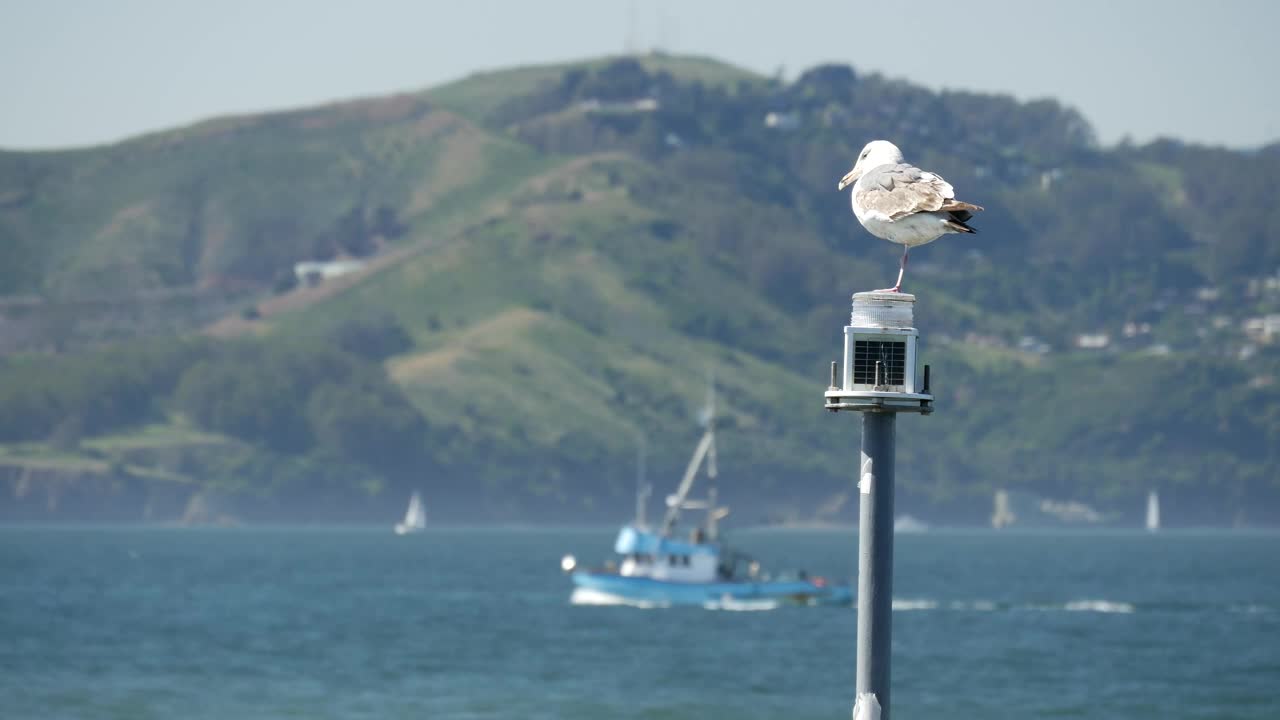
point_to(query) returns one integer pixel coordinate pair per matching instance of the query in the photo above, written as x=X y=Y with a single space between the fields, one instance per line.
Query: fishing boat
x=415 y=517
x=657 y=568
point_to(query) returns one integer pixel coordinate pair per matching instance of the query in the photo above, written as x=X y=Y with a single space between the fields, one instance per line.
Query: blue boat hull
x=647 y=591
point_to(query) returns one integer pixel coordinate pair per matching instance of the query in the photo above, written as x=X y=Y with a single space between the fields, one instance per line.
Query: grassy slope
x=531 y=334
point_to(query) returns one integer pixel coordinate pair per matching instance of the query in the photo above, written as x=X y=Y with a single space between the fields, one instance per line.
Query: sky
x=84 y=72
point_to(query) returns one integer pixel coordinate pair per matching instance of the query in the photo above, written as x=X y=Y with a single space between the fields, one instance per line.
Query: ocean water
x=476 y=623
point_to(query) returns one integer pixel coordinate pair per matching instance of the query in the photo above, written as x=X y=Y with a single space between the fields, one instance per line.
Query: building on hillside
x=1264 y=286
x=1134 y=329
x=1093 y=341
x=1049 y=177
x=787 y=120
x=619 y=107
x=313 y=272
x=1264 y=329
x=1033 y=344
x=1208 y=294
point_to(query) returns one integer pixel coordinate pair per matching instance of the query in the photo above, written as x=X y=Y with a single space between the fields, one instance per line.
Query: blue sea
x=477 y=623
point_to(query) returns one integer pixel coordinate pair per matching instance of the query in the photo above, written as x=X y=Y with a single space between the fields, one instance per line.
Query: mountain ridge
x=554 y=256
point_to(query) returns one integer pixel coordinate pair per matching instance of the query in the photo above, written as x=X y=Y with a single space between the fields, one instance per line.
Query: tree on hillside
x=376 y=338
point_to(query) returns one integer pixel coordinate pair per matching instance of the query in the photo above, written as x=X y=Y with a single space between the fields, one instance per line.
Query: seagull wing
x=891 y=192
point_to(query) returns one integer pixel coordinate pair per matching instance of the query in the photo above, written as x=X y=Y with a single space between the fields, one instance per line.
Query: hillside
x=549 y=259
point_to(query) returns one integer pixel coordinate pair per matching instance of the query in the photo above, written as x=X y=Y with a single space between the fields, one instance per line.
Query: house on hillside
x=1208 y=294
x=1049 y=178
x=1093 y=341
x=619 y=107
x=1263 y=330
x=1266 y=286
x=1134 y=329
x=788 y=120
x=313 y=272
x=1034 y=345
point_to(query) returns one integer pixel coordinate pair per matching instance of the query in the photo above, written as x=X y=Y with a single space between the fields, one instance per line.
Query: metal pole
x=875 y=556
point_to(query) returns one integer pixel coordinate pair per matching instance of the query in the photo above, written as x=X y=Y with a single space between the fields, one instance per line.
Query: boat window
x=671 y=560
x=684 y=560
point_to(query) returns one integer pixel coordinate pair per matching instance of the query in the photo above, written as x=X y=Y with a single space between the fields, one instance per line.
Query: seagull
x=902 y=203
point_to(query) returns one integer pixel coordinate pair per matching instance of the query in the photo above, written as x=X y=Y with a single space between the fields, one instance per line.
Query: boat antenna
x=712 y=470
x=643 y=488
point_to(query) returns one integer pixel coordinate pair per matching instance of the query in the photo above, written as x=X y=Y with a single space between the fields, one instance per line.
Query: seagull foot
x=895 y=288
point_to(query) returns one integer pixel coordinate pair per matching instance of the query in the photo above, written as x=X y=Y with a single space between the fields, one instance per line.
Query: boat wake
x=902 y=605
x=591 y=596
x=734 y=605
x=588 y=596
x=1097 y=606
x=1101 y=606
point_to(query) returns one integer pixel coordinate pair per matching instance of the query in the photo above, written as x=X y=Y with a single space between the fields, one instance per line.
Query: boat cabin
x=650 y=555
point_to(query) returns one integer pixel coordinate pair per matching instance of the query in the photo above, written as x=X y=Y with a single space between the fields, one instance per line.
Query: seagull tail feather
x=958 y=213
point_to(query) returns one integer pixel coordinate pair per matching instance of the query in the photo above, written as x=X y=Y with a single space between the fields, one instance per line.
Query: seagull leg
x=902 y=268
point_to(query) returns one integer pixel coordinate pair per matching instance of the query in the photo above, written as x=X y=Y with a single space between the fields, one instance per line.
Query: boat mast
x=679 y=500
x=706 y=450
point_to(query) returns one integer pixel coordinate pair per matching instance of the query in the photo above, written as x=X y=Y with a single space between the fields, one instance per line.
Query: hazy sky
x=76 y=72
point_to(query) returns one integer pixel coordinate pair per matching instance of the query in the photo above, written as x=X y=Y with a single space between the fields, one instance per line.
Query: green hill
x=553 y=257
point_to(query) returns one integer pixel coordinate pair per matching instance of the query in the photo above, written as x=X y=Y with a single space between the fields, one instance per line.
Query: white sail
x=415 y=518
x=1003 y=515
x=1153 y=511
x=416 y=515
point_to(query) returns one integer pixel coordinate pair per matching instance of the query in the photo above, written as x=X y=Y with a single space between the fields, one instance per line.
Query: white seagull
x=902 y=203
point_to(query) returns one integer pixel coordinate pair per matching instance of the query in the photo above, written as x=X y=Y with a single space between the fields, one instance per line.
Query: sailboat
x=1003 y=515
x=415 y=518
x=1153 y=511
x=657 y=568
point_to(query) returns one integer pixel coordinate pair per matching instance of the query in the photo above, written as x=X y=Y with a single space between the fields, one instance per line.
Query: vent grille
x=892 y=356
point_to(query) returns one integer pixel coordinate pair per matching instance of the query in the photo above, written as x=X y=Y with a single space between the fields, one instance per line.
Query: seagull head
x=875 y=154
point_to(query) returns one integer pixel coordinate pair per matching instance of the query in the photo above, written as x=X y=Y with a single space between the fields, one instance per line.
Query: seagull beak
x=849 y=179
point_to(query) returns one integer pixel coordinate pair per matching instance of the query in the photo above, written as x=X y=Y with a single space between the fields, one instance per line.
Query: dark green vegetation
x=555 y=255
